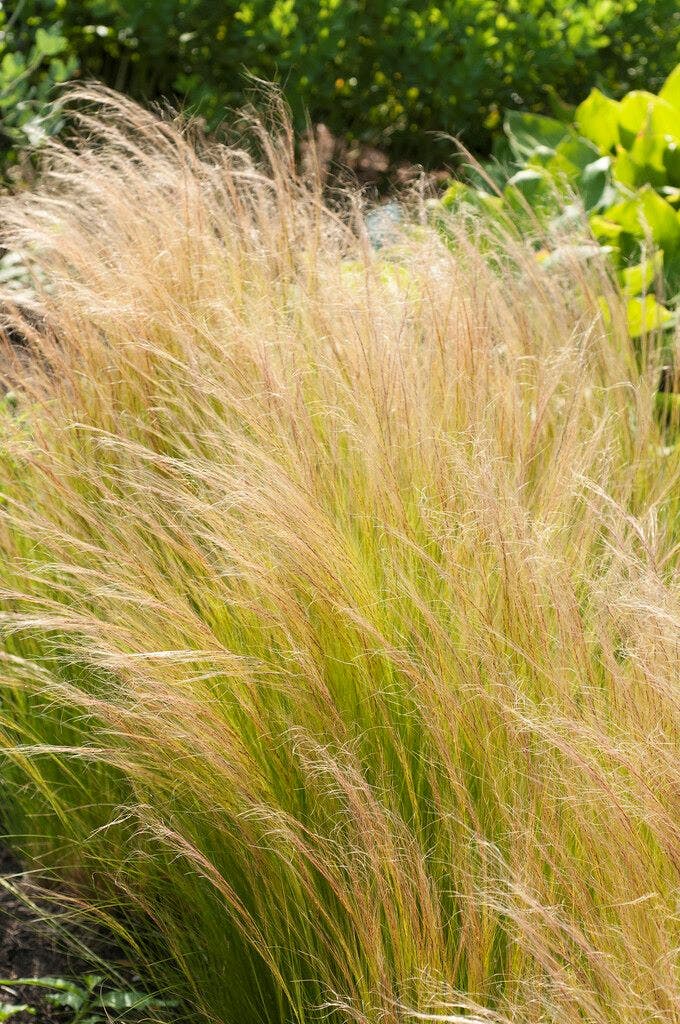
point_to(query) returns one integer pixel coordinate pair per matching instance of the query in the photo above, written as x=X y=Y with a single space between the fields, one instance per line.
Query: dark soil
x=31 y=948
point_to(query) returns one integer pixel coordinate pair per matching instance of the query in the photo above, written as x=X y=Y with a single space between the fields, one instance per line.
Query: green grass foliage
x=339 y=606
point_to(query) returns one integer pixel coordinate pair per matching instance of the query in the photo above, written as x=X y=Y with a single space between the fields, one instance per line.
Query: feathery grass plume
x=340 y=609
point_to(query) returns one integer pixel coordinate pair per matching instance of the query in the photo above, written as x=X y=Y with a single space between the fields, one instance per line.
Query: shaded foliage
x=393 y=72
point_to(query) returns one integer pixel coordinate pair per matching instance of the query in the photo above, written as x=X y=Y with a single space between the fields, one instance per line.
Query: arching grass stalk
x=340 y=607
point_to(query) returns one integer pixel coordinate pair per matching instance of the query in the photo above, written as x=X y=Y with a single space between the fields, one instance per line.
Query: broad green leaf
x=542 y=156
x=577 y=151
x=671 y=194
x=456 y=191
x=93 y=981
x=645 y=315
x=9 y=1010
x=671 y=162
x=531 y=185
x=560 y=110
x=11 y=67
x=49 y=43
x=643 y=162
x=62 y=992
x=490 y=203
x=624 y=169
x=670 y=90
x=648 y=214
x=60 y=70
x=641 y=111
x=605 y=230
x=119 y=999
x=569 y=158
x=593 y=182
x=127 y=1000
x=72 y=1000
x=527 y=132
x=597 y=119
x=639 y=279
x=459 y=194
x=46 y=982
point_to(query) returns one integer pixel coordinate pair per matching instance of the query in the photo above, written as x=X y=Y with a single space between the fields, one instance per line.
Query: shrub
x=393 y=72
x=620 y=161
x=33 y=60
x=339 y=616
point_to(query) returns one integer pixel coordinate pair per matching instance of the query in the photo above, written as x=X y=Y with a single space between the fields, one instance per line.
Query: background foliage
x=621 y=162
x=34 y=57
x=392 y=72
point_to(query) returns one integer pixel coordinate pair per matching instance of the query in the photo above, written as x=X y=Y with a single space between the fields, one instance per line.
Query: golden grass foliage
x=340 y=604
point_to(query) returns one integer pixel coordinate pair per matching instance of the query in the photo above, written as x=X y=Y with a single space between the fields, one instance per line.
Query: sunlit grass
x=340 y=609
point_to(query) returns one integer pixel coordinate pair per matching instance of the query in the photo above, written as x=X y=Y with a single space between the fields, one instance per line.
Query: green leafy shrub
x=33 y=59
x=621 y=162
x=384 y=71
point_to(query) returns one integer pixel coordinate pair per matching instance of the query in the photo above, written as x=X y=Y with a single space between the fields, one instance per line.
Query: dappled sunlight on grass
x=339 y=608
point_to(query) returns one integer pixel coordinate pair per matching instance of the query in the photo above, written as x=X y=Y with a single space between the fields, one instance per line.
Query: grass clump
x=340 y=605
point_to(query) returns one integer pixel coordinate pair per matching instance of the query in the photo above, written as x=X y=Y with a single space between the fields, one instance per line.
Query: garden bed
x=29 y=947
